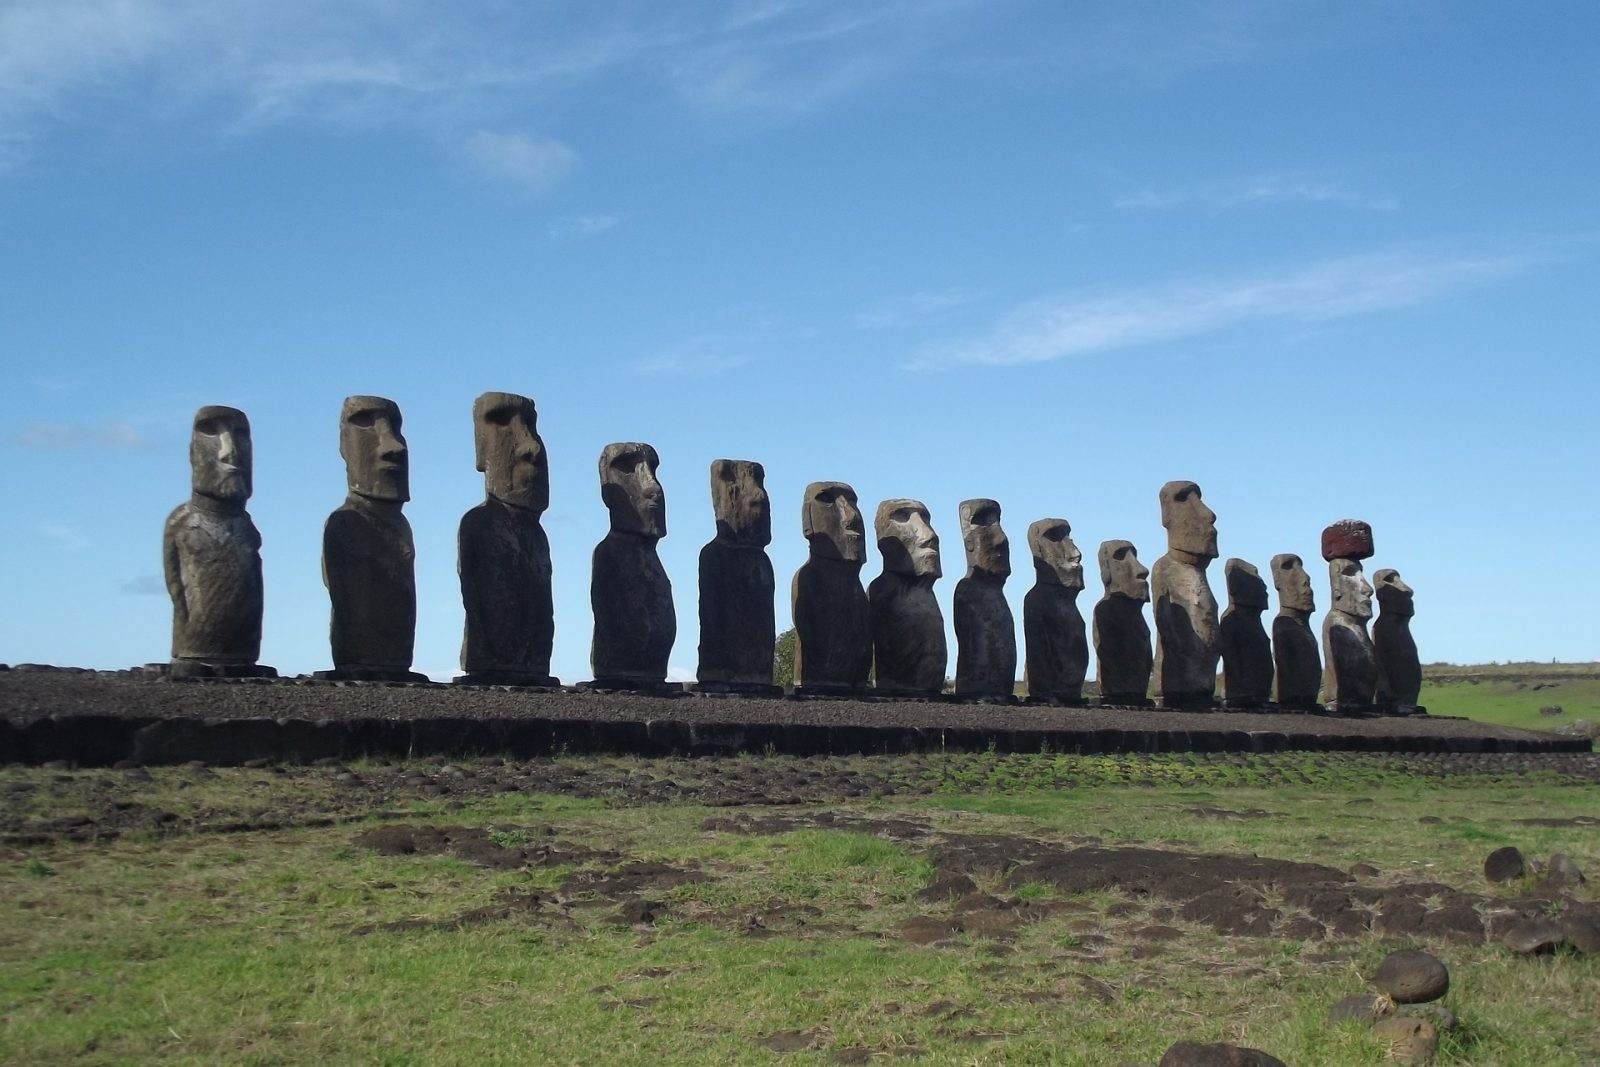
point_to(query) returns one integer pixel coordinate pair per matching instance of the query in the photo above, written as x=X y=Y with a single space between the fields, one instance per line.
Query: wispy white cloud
x=117 y=434
x=913 y=308
x=535 y=163
x=1080 y=324
x=692 y=363
x=1283 y=187
x=578 y=227
x=65 y=535
x=146 y=583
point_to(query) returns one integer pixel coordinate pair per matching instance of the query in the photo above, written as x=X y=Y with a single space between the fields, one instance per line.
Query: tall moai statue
x=1121 y=636
x=1188 y=637
x=634 y=620
x=368 y=558
x=211 y=555
x=1052 y=626
x=1399 y=666
x=502 y=553
x=737 y=628
x=1246 y=652
x=1294 y=647
x=909 y=654
x=986 y=633
x=833 y=634
x=1349 y=664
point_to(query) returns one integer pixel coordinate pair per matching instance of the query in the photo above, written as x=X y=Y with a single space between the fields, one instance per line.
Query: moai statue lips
x=1191 y=526
x=906 y=539
x=635 y=623
x=1394 y=596
x=1347 y=539
x=987 y=547
x=1245 y=587
x=737 y=624
x=739 y=500
x=1293 y=583
x=1122 y=573
x=503 y=555
x=630 y=491
x=377 y=462
x=510 y=452
x=211 y=555
x=832 y=523
x=1056 y=559
x=986 y=637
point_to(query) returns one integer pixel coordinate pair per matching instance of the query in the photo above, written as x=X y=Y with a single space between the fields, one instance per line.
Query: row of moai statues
x=889 y=635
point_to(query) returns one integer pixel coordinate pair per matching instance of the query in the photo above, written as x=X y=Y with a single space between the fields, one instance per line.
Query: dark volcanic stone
x=1221 y=1054
x=1504 y=865
x=1412 y=976
x=1529 y=937
x=1360 y=1007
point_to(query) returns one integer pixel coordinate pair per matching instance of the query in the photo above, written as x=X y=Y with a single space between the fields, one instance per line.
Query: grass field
x=427 y=914
x=1511 y=694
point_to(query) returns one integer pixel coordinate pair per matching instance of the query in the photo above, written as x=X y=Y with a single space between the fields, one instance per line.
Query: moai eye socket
x=500 y=416
x=1056 y=533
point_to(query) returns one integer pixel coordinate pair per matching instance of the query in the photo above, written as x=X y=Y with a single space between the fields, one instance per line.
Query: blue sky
x=1325 y=259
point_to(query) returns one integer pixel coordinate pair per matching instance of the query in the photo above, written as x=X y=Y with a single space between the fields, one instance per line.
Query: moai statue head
x=739 y=500
x=220 y=455
x=1246 y=590
x=906 y=539
x=629 y=489
x=510 y=452
x=1351 y=593
x=831 y=521
x=1124 y=576
x=988 y=549
x=1394 y=595
x=1056 y=560
x=376 y=463
x=1191 y=526
x=1293 y=583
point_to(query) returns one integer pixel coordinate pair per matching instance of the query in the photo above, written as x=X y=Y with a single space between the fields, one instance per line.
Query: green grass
x=1514 y=702
x=189 y=946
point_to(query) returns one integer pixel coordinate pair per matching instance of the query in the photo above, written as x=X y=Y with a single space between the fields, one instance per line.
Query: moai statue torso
x=1399 y=666
x=1052 y=625
x=1121 y=636
x=1246 y=652
x=908 y=642
x=635 y=623
x=833 y=636
x=1298 y=665
x=502 y=553
x=1350 y=666
x=737 y=628
x=211 y=555
x=368 y=559
x=986 y=633
x=1188 y=639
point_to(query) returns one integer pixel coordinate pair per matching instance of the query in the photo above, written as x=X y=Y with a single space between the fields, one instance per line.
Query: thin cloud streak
x=535 y=163
x=1285 y=187
x=1064 y=327
x=117 y=435
x=580 y=227
x=913 y=309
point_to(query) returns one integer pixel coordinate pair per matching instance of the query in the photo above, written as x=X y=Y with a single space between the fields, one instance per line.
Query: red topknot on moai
x=1347 y=539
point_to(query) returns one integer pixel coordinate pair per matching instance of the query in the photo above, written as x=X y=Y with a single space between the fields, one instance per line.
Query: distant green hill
x=1512 y=693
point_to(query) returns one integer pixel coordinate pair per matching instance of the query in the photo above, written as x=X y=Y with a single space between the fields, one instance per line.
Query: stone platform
x=91 y=718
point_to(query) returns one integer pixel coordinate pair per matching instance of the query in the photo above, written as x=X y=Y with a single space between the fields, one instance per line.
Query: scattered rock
x=640 y=912
x=925 y=930
x=1528 y=937
x=1504 y=865
x=1562 y=871
x=1360 y=1007
x=1410 y=1040
x=790 y=1040
x=1581 y=933
x=1552 y=709
x=1364 y=870
x=1221 y=1054
x=1437 y=1015
x=1412 y=976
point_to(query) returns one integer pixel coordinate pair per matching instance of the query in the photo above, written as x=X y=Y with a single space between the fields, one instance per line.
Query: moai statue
x=1052 y=625
x=368 y=559
x=1350 y=666
x=908 y=645
x=502 y=553
x=634 y=620
x=1246 y=652
x=737 y=629
x=1188 y=638
x=986 y=633
x=833 y=635
x=1294 y=647
x=211 y=556
x=1399 y=667
x=1121 y=636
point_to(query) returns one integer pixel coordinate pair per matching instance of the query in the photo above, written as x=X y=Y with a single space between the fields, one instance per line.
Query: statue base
x=1351 y=710
x=370 y=674
x=200 y=668
x=517 y=678
x=1056 y=700
x=1187 y=701
x=736 y=689
x=1125 y=700
x=906 y=693
x=643 y=686
x=824 y=691
x=1003 y=699
x=1404 y=709
x=1248 y=704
